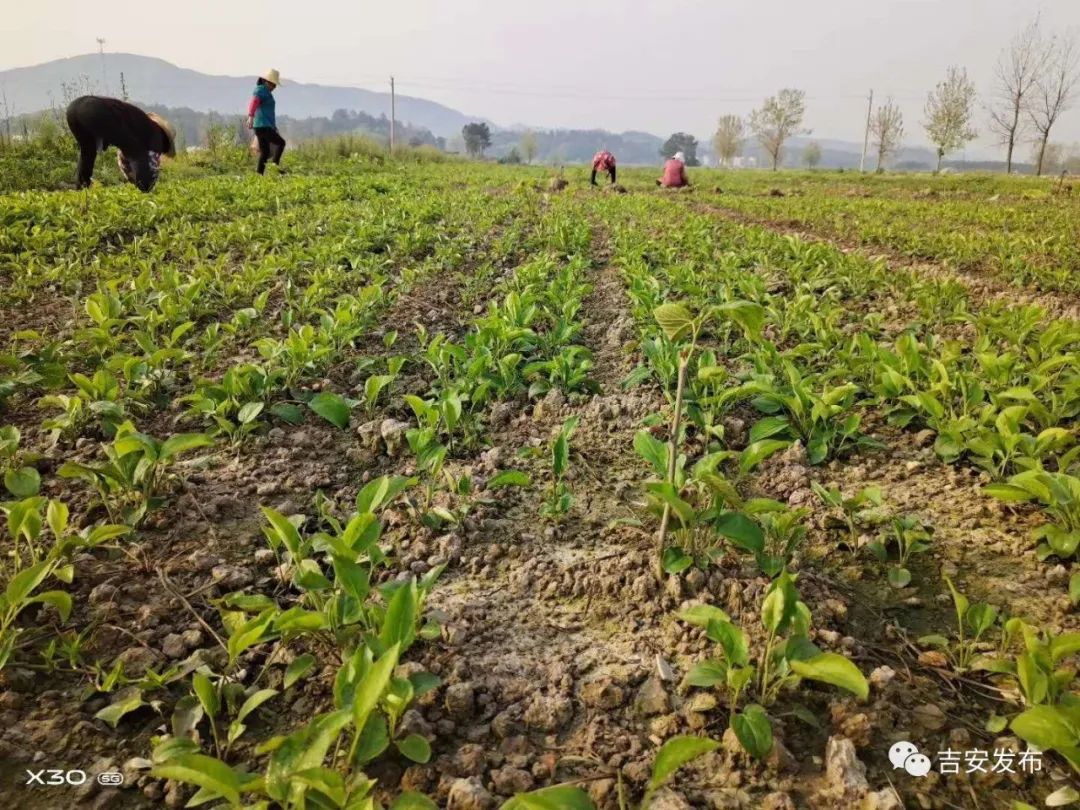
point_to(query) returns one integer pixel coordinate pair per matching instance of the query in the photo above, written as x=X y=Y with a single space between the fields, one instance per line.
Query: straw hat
x=272 y=76
x=169 y=130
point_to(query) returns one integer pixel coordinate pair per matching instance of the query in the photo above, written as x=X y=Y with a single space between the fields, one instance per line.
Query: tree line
x=1036 y=80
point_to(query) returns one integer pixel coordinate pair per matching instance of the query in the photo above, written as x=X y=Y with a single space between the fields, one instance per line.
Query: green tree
x=948 y=111
x=728 y=139
x=477 y=138
x=811 y=154
x=681 y=142
x=530 y=147
x=779 y=118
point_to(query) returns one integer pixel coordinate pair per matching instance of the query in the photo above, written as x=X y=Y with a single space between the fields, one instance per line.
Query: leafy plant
x=909 y=536
x=559 y=497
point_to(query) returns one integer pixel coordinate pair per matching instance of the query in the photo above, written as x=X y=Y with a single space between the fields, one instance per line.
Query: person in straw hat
x=261 y=118
x=141 y=138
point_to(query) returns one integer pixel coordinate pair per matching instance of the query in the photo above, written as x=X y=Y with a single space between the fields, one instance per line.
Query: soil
x=561 y=658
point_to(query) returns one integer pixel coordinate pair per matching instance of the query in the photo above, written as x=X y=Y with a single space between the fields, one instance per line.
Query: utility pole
x=104 y=76
x=866 y=136
x=393 y=113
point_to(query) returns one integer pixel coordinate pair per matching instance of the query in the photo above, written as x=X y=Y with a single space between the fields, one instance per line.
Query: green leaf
x=302 y=750
x=331 y=407
x=748 y=315
x=23 y=482
x=127 y=701
x=754 y=731
x=899 y=577
x=413 y=801
x=707 y=673
x=675 y=753
x=61 y=600
x=56 y=515
x=182 y=443
x=206 y=772
x=374 y=740
x=399 y=623
x=1074 y=588
x=833 y=669
x=415 y=748
x=254 y=702
x=667 y=494
x=509 y=478
x=288 y=412
x=674 y=560
x=298 y=669
x=758 y=451
x=381 y=491
x=741 y=530
x=674 y=319
x=731 y=639
x=559 y=797
x=701 y=615
x=1045 y=727
x=327 y=782
x=206 y=693
x=249 y=412
x=424 y=682
x=23 y=583
x=652 y=450
x=373 y=685
x=285 y=530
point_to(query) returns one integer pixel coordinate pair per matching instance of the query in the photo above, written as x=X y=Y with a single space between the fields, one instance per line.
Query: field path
x=550 y=631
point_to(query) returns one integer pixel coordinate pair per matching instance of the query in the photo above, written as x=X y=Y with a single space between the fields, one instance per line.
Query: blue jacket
x=264 y=112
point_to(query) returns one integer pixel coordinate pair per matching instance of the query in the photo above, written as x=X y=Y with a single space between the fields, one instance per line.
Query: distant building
x=744 y=162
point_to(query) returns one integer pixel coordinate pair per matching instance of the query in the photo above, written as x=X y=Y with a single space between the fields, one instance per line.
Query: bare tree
x=529 y=146
x=1055 y=91
x=1015 y=76
x=728 y=139
x=811 y=154
x=948 y=113
x=779 y=118
x=887 y=127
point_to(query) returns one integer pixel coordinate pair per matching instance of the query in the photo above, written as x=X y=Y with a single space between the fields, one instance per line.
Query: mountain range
x=155 y=81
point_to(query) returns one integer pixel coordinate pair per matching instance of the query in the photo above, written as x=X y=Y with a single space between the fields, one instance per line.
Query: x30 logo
x=52 y=776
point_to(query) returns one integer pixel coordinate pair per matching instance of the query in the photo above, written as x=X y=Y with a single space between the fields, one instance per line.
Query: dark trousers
x=611 y=173
x=271 y=145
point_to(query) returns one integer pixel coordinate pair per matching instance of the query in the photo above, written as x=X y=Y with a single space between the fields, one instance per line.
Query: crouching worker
x=262 y=118
x=674 y=172
x=141 y=138
x=603 y=161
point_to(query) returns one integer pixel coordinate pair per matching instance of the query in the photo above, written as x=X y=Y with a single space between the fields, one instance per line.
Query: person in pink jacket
x=674 y=172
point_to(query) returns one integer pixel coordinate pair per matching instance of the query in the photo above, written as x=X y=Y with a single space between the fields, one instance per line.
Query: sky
x=653 y=65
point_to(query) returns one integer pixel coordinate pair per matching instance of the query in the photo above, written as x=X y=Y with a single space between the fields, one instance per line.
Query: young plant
x=909 y=536
x=20 y=478
x=137 y=470
x=1059 y=495
x=972 y=622
x=852 y=508
x=559 y=497
x=787 y=657
x=678 y=323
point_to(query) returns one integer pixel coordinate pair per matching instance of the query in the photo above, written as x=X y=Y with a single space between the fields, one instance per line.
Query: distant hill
x=155 y=81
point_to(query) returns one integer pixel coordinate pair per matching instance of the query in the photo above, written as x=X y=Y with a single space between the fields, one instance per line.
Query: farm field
x=429 y=486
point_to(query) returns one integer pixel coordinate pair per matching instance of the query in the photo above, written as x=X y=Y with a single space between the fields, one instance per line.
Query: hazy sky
x=656 y=65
